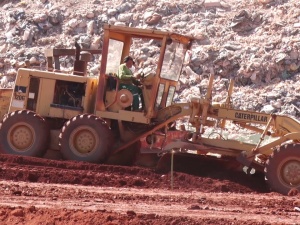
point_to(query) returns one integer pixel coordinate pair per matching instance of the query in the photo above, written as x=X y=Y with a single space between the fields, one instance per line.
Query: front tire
x=86 y=138
x=24 y=133
x=282 y=169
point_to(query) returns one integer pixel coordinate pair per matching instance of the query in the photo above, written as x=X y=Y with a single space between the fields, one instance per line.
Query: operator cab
x=161 y=62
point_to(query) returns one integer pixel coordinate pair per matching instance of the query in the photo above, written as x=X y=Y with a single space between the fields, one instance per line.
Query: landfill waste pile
x=256 y=43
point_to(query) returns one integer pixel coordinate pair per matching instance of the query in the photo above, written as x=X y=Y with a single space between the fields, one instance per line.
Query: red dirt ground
x=42 y=191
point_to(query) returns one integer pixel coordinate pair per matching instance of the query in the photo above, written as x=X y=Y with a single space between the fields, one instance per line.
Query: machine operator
x=129 y=81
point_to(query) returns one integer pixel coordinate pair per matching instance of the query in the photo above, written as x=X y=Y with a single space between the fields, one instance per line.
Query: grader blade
x=126 y=157
x=149 y=160
x=196 y=164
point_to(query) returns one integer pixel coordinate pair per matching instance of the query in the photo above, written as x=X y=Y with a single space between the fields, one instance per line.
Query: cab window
x=114 y=55
x=173 y=59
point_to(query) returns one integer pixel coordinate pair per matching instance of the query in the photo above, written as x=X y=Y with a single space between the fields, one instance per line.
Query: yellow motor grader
x=87 y=118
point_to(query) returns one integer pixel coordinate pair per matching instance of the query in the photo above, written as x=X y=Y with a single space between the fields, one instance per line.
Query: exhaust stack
x=81 y=60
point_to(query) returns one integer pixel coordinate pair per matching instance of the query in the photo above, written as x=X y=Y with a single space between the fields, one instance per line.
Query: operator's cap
x=127 y=58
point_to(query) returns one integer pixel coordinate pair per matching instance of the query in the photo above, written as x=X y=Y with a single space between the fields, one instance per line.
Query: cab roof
x=146 y=33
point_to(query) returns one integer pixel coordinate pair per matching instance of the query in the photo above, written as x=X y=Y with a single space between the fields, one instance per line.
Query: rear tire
x=24 y=133
x=282 y=169
x=86 y=138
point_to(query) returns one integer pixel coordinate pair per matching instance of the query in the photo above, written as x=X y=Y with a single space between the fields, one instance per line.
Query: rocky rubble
x=256 y=43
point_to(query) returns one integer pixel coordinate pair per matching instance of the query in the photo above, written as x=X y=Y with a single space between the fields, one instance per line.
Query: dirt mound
x=43 y=191
x=209 y=176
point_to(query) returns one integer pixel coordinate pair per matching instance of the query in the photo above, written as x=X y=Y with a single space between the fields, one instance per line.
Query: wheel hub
x=83 y=140
x=291 y=172
x=21 y=136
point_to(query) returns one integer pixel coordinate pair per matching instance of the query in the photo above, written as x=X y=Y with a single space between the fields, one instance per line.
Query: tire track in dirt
x=255 y=208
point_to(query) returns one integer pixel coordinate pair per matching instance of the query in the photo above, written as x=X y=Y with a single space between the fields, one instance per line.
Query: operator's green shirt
x=124 y=74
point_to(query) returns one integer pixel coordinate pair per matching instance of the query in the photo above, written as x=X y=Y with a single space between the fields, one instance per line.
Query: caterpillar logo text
x=248 y=116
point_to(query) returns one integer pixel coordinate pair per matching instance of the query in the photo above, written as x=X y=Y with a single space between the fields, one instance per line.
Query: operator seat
x=116 y=99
